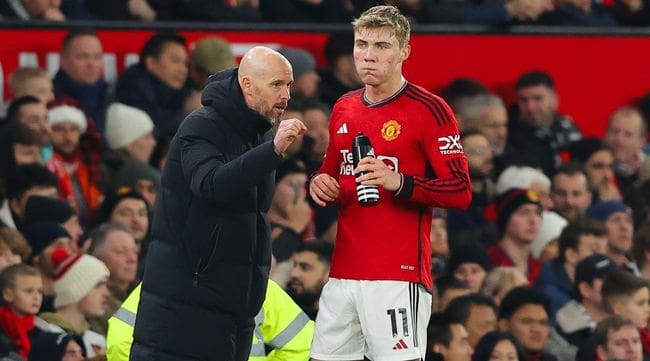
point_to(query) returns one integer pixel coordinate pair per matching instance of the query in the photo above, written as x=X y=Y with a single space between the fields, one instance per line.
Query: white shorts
x=384 y=320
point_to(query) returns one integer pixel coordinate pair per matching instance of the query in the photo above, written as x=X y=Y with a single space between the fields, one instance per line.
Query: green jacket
x=280 y=324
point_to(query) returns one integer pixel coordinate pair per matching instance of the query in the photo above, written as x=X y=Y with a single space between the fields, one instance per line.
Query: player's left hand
x=378 y=173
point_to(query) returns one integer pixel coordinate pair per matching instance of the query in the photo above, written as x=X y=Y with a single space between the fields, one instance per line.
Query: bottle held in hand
x=367 y=195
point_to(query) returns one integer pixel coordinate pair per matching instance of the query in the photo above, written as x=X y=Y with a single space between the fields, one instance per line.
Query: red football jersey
x=415 y=133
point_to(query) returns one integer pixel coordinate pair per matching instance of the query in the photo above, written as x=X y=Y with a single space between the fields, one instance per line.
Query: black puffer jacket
x=210 y=256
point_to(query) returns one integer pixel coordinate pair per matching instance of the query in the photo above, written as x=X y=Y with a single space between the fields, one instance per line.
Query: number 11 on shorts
x=392 y=313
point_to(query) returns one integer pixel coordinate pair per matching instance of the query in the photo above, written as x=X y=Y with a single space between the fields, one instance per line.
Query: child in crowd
x=81 y=292
x=22 y=293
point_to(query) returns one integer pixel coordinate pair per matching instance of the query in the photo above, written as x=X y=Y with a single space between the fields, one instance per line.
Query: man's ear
x=149 y=62
x=246 y=85
x=618 y=308
x=406 y=52
x=8 y=295
x=438 y=348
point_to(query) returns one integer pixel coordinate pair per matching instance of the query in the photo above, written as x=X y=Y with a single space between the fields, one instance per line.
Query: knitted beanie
x=40 y=235
x=551 y=228
x=469 y=252
x=67 y=113
x=520 y=177
x=600 y=211
x=509 y=202
x=75 y=276
x=47 y=209
x=125 y=124
x=301 y=61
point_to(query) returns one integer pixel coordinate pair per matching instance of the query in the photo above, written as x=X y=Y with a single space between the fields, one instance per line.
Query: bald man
x=207 y=266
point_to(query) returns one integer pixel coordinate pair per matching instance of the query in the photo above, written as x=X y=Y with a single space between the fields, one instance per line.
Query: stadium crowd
x=550 y=261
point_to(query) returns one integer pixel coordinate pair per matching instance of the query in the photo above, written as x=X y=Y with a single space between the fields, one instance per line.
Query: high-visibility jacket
x=280 y=324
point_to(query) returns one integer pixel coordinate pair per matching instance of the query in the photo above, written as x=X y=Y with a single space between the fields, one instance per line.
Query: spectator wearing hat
x=341 y=75
x=45 y=238
x=113 y=244
x=571 y=191
x=577 y=319
x=470 y=263
x=545 y=246
x=598 y=161
x=51 y=346
x=46 y=209
x=158 y=84
x=524 y=313
x=81 y=292
x=523 y=177
x=80 y=169
x=617 y=218
x=209 y=56
x=578 y=240
x=25 y=181
x=519 y=218
x=305 y=77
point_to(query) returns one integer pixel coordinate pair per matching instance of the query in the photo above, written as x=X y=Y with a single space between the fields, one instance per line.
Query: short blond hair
x=19 y=77
x=385 y=16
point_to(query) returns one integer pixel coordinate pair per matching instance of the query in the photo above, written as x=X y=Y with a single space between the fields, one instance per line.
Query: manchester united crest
x=390 y=130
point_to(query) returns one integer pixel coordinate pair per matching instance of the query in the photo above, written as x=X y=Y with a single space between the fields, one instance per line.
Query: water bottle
x=367 y=195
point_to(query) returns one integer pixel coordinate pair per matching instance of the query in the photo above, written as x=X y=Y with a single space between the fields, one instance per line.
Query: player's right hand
x=324 y=189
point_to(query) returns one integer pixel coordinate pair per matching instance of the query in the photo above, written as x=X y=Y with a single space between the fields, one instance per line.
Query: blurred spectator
x=21 y=288
x=294 y=110
x=537 y=132
x=632 y=12
x=305 y=78
x=501 y=280
x=641 y=250
x=80 y=169
x=316 y=118
x=519 y=217
x=477 y=313
x=289 y=213
x=158 y=83
x=598 y=161
x=616 y=338
x=113 y=244
x=439 y=242
x=578 y=13
x=470 y=263
x=80 y=287
x=487 y=114
x=447 y=339
x=128 y=208
x=191 y=10
x=449 y=288
x=627 y=295
x=571 y=191
x=524 y=313
x=484 y=12
x=47 y=209
x=460 y=90
x=45 y=238
x=522 y=177
x=31 y=10
x=498 y=346
x=341 y=75
x=80 y=76
x=626 y=135
x=25 y=181
x=50 y=346
x=31 y=112
x=470 y=223
x=545 y=246
x=306 y=11
x=311 y=266
x=617 y=218
x=32 y=81
x=577 y=319
x=13 y=247
x=19 y=144
x=578 y=240
x=209 y=56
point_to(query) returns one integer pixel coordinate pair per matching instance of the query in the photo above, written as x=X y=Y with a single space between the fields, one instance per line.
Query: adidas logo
x=343 y=129
x=401 y=345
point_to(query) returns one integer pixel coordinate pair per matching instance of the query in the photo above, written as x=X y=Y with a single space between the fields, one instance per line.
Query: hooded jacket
x=209 y=260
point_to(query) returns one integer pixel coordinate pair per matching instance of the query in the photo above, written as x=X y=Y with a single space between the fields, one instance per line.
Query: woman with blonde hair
x=500 y=281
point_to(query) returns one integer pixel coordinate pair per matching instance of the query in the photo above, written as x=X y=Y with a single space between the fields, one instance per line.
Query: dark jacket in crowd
x=139 y=88
x=207 y=267
x=91 y=98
